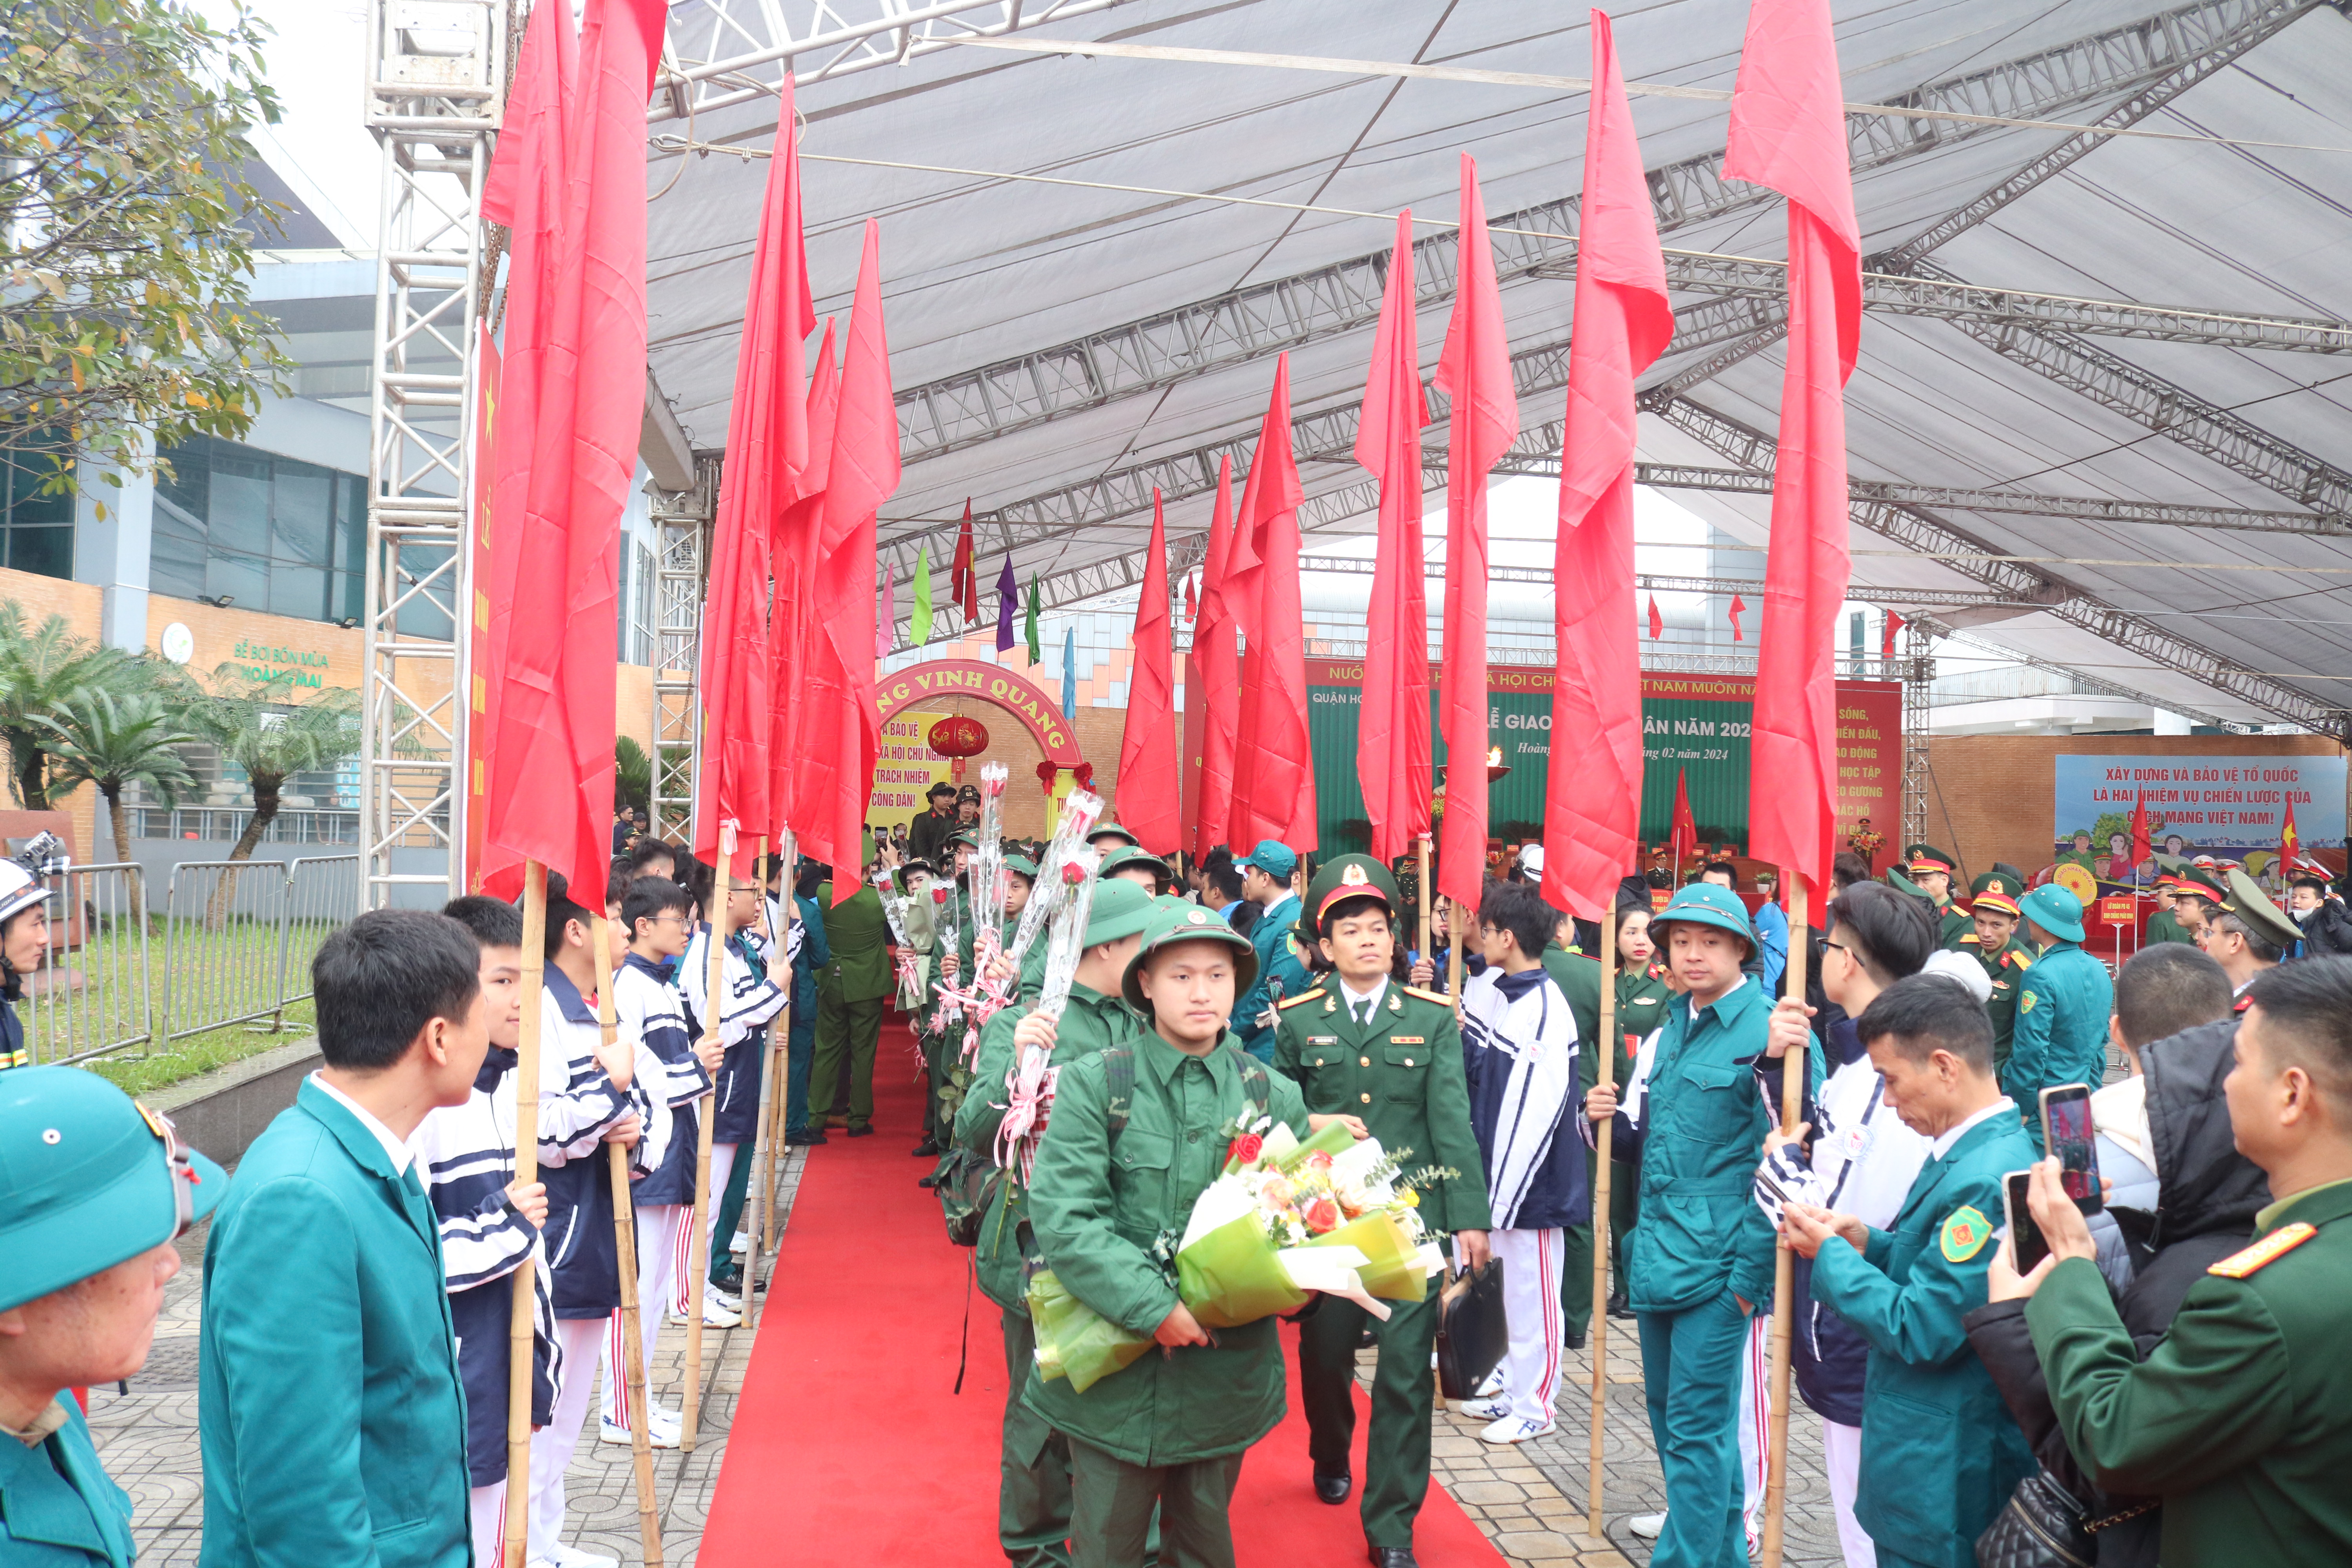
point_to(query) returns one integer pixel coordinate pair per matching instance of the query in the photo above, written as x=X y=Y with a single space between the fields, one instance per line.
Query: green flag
x=918 y=628
x=1035 y=653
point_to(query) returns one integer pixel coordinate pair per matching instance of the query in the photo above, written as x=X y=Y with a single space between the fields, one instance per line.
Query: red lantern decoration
x=958 y=736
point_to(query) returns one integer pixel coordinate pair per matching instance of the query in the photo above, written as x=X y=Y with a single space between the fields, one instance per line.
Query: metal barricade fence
x=322 y=892
x=91 y=992
x=222 y=944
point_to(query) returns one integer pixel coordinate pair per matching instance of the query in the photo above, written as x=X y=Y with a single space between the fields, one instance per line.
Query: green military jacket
x=2006 y=970
x=2063 y=1003
x=1403 y=1073
x=1940 y=1452
x=1090 y=1022
x=1579 y=979
x=2162 y=927
x=2237 y=1417
x=1099 y=1205
x=860 y=935
x=329 y=1415
x=57 y=1508
x=1952 y=925
x=1642 y=1002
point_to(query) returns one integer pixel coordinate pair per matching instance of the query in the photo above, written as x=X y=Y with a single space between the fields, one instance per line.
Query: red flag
x=1788 y=131
x=1475 y=371
x=1273 y=770
x=1657 y=621
x=2290 y=841
x=840 y=736
x=1895 y=624
x=1147 y=778
x=1393 y=726
x=964 y=584
x=477 y=624
x=2139 y=846
x=1737 y=604
x=1592 y=820
x=767 y=450
x=1216 y=668
x=1192 y=605
x=1682 y=838
x=792 y=557
x=569 y=181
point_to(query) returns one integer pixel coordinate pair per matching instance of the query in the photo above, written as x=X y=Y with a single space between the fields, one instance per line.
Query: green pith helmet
x=1121 y=908
x=2055 y=910
x=93 y=1179
x=1706 y=904
x=1127 y=858
x=1103 y=830
x=1021 y=865
x=1190 y=922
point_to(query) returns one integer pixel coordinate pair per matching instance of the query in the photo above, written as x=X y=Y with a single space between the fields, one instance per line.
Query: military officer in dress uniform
x=98 y=1189
x=1992 y=941
x=2171 y=922
x=1930 y=869
x=2063 y=1003
x=1360 y=1044
x=2249 y=935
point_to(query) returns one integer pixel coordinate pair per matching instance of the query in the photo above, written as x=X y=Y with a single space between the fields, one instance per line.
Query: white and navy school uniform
x=652 y=1014
x=1520 y=1054
x=753 y=1001
x=582 y=1246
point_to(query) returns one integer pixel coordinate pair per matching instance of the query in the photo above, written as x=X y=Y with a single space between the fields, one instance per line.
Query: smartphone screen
x=2068 y=1135
x=2025 y=1239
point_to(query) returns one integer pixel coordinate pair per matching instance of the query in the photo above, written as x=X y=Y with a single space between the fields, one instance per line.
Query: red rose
x=1246 y=1149
x=1322 y=1217
x=1072 y=873
x=1318 y=1161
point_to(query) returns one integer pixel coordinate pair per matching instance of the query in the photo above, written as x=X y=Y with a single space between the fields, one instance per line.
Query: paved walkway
x=1528 y=1499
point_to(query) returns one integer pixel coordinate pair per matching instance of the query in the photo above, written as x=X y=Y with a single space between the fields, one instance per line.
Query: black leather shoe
x=928 y=1183
x=1617 y=1307
x=864 y=1131
x=805 y=1139
x=1573 y=1339
x=1334 y=1490
x=1393 y=1557
x=927 y=1150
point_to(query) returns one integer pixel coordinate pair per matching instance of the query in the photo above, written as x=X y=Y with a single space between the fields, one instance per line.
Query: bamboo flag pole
x=764 y=1145
x=1421 y=852
x=524 y=1321
x=1605 y=1066
x=1792 y=1088
x=791 y=903
x=714 y=1008
x=624 y=1230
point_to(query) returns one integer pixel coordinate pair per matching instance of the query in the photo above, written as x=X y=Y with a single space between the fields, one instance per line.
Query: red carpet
x=848 y=1445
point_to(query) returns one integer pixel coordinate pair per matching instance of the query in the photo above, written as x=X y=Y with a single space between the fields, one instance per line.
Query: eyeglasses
x=1839 y=945
x=182 y=1169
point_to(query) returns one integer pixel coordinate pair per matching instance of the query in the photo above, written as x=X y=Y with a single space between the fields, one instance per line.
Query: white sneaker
x=662 y=1432
x=1647 y=1526
x=1516 y=1429
x=573 y=1557
x=1493 y=1407
x=742 y=1244
x=716 y=1314
x=730 y=1299
x=1493 y=1385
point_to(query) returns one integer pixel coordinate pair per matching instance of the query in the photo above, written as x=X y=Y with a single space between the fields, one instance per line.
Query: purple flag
x=1008 y=604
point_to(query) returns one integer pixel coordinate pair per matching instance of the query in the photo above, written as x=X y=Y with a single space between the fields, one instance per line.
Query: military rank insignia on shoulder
x=2017 y=958
x=1290 y=1002
x=1964 y=1232
x=1437 y=996
x=2266 y=1251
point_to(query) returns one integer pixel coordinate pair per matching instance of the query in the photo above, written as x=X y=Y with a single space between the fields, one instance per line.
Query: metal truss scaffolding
x=1917 y=675
x=436 y=70
x=683 y=522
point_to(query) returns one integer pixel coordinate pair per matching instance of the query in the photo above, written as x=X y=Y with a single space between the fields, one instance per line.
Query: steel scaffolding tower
x=684 y=522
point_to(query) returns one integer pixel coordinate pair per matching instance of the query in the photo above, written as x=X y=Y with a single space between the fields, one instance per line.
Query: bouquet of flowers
x=1369 y=1204
x=1074 y=1340
x=896 y=908
x=946 y=919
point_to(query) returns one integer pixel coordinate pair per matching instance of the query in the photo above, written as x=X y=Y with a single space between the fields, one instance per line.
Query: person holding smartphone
x=1940 y=1452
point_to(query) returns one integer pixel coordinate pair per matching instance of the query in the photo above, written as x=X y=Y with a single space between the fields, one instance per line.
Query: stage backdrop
x=1697 y=723
x=2227 y=806
x=905 y=768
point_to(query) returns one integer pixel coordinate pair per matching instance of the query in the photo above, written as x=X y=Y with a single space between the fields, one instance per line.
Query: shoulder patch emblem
x=2025 y=1002
x=1437 y=996
x=1966 y=1230
x=1289 y=1002
x=2269 y=1249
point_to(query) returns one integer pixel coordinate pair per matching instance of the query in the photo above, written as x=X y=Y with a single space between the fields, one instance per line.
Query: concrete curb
x=222 y=1112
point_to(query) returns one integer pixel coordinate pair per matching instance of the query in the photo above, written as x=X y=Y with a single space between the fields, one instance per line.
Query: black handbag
x=1473 y=1330
x=2042 y=1528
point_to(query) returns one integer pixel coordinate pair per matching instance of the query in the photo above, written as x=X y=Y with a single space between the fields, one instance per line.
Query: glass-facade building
x=260 y=532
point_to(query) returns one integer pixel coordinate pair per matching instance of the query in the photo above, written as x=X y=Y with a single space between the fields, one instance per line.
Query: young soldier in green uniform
x=1930 y=870
x=2240 y=1418
x=2063 y=1003
x=1170 y=1428
x=1993 y=913
x=99 y=1188
x=849 y=996
x=1033 y=1506
x=1137 y=865
x=1361 y=1044
x=1940 y=1452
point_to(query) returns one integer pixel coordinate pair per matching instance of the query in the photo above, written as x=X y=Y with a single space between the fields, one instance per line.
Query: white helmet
x=18 y=891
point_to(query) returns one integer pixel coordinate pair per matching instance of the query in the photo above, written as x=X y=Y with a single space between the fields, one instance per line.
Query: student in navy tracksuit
x=583 y=1247
x=656 y=917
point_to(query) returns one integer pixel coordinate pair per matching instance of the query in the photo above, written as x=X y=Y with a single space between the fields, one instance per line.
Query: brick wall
x=1989 y=797
x=1098 y=730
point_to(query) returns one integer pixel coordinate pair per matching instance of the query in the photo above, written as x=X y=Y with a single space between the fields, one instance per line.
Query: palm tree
x=44 y=672
x=248 y=721
x=114 y=739
x=632 y=774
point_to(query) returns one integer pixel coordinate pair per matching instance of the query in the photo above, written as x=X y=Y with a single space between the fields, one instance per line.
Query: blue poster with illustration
x=2229 y=807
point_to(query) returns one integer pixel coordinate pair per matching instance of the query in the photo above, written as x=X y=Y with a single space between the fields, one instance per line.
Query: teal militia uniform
x=1940 y=1452
x=1579 y=980
x=1279 y=974
x=1169 y=1429
x=1033 y=1506
x=2060 y=1036
x=2006 y=970
x=57 y=1508
x=329 y=1414
x=849 y=995
x=1642 y=1001
x=2236 y=1417
x=1401 y=1071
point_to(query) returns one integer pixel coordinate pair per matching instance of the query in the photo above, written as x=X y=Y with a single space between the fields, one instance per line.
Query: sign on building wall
x=905 y=770
x=1696 y=725
x=2231 y=807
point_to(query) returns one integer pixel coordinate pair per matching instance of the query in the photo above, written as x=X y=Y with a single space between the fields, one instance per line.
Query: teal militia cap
x=93 y=1179
x=1182 y=924
x=1121 y=908
x=1708 y=904
x=2055 y=910
x=1273 y=857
